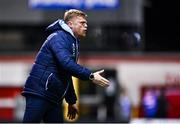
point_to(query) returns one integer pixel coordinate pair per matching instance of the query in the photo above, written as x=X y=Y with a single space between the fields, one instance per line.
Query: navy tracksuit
x=50 y=79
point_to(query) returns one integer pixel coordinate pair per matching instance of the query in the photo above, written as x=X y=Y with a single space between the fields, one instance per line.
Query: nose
x=85 y=25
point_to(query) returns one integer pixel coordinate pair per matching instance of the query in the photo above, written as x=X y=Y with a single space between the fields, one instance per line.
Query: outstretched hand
x=99 y=80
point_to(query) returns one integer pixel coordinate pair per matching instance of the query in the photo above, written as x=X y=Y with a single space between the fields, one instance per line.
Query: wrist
x=71 y=104
x=91 y=76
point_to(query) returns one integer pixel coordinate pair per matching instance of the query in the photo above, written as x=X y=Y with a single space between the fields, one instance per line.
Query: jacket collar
x=65 y=27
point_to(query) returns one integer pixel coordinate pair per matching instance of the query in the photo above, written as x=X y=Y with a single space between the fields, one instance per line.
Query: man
x=50 y=79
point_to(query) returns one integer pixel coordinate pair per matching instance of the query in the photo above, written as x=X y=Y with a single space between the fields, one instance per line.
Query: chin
x=82 y=36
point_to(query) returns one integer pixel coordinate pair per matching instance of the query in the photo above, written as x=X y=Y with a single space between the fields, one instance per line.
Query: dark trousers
x=41 y=110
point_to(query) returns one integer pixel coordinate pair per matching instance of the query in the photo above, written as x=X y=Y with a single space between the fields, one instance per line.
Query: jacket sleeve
x=70 y=96
x=59 y=46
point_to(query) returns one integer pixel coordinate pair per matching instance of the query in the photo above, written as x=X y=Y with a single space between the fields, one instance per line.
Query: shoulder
x=57 y=36
x=52 y=36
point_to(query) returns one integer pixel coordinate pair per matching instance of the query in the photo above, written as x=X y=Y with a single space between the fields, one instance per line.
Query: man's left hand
x=72 y=111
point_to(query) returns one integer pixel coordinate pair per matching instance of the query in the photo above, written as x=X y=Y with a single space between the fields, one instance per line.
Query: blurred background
x=135 y=41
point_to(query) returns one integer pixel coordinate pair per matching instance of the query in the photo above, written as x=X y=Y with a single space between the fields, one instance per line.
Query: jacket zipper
x=47 y=81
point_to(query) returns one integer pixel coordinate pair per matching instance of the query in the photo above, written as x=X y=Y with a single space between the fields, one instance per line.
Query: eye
x=83 y=23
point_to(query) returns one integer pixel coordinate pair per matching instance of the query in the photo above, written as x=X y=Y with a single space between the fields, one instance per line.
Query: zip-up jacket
x=54 y=66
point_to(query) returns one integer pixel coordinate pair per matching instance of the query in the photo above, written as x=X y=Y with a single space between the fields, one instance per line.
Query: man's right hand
x=99 y=80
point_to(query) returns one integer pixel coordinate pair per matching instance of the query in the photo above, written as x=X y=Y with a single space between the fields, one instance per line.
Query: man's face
x=79 y=26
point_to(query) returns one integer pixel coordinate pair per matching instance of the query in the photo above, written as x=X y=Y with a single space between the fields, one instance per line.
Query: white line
x=7 y=103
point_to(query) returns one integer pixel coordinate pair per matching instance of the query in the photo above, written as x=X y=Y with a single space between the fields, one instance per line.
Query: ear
x=70 y=24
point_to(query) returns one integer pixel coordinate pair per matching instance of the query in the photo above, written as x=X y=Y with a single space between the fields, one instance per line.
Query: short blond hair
x=69 y=14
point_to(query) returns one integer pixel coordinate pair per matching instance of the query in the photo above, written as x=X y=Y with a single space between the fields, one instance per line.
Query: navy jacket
x=54 y=66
